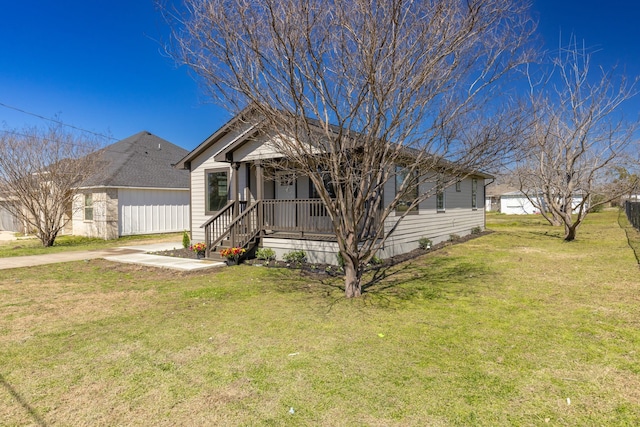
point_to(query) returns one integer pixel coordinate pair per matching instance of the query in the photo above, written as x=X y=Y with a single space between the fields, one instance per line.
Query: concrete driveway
x=135 y=254
x=7 y=236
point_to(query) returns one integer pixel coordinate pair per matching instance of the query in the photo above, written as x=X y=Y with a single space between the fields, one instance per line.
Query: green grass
x=33 y=246
x=514 y=328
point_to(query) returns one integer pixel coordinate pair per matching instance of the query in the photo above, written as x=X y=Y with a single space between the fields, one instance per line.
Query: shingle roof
x=141 y=160
x=499 y=189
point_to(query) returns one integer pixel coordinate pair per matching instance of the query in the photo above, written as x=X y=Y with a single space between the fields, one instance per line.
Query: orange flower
x=232 y=252
x=198 y=247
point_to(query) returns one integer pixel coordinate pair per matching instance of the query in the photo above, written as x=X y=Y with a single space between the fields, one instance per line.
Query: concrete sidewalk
x=126 y=254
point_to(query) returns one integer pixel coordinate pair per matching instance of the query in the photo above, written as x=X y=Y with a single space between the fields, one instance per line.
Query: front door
x=285 y=213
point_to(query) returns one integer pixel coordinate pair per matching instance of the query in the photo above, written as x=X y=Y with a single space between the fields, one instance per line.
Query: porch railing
x=273 y=215
x=218 y=226
x=238 y=229
x=304 y=216
x=245 y=227
x=297 y=215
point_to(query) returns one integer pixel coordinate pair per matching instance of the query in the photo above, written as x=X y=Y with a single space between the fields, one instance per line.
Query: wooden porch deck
x=325 y=237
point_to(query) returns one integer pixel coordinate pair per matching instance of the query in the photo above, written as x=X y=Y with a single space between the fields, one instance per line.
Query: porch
x=241 y=223
x=266 y=202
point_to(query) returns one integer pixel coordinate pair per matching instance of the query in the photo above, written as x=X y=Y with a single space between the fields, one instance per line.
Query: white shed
x=516 y=203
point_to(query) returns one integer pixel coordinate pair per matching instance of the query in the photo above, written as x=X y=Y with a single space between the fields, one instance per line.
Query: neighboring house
x=138 y=191
x=8 y=221
x=630 y=197
x=237 y=200
x=516 y=203
x=493 y=192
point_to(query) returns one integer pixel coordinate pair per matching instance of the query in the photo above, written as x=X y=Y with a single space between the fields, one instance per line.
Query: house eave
x=96 y=187
x=185 y=162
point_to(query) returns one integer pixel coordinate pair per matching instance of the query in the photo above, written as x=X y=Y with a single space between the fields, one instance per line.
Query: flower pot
x=232 y=262
x=200 y=254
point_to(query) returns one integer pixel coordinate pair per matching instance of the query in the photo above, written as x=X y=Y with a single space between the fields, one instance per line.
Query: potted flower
x=232 y=254
x=199 y=248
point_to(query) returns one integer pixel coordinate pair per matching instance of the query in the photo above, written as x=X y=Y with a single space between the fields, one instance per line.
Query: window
x=328 y=185
x=458 y=186
x=474 y=193
x=321 y=210
x=88 y=207
x=217 y=190
x=440 y=194
x=410 y=192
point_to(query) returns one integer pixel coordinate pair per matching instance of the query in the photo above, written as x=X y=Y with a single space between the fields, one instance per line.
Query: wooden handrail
x=217 y=226
x=246 y=226
x=219 y=214
x=239 y=231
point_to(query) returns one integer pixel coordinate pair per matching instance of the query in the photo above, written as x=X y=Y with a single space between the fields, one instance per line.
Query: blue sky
x=98 y=63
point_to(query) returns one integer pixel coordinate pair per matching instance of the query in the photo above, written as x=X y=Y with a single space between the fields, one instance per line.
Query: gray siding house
x=236 y=201
x=137 y=192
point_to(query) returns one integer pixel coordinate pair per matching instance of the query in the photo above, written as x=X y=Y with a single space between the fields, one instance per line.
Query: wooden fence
x=633 y=213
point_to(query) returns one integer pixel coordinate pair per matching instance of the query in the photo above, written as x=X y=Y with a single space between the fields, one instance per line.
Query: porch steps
x=225 y=244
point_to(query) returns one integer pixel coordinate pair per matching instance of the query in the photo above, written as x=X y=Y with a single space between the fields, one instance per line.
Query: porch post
x=259 y=181
x=234 y=188
x=247 y=188
x=260 y=195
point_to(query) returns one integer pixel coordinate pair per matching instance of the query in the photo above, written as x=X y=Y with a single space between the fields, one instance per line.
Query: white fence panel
x=150 y=211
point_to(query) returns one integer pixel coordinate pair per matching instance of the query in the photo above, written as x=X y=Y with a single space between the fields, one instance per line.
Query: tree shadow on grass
x=22 y=402
x=553 y=234
x=433 y=279
x=415 y=274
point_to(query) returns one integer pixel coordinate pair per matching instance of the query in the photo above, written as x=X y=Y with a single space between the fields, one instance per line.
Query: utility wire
x=56 y=121
x=108 y=148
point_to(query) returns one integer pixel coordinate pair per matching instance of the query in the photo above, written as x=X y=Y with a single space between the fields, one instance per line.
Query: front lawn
x=513 y=328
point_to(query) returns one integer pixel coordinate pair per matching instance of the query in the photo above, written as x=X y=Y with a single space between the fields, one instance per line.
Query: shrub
x=424 y=243
x=375 y=260
x=596 y=198
x=265 y=254
x=295 y=257
x=454 y=237
x=186 y=241
x=476 y=230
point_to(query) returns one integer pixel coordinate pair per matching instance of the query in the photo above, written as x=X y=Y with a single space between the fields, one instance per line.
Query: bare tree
x=40 y=169
x=356 y=93
x=578 y=140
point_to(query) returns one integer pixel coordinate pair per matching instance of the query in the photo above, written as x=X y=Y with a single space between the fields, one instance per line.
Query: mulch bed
x=178 y=253
x=327 y=269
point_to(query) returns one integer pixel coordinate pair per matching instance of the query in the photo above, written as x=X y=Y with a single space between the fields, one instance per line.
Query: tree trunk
x=48 y=239
x=352 y=278
x=570 y=232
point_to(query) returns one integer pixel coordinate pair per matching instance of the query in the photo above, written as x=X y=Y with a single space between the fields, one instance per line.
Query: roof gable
x=238 y=124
